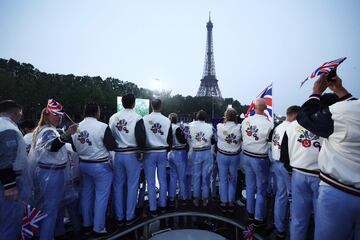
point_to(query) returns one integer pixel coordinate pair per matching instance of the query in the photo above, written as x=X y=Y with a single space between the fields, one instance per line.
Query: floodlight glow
x=156 y=84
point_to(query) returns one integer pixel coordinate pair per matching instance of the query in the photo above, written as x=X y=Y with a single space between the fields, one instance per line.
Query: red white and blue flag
x=266 y=94
x=30 y=221
x=325 y=68
x=54 y=108
x=249 y=232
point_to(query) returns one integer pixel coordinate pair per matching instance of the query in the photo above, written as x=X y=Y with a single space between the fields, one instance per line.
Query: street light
x=212 y=107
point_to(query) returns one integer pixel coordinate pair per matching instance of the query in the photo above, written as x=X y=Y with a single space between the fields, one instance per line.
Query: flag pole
x=272 y=102
x=69 y=117
x=78 y=129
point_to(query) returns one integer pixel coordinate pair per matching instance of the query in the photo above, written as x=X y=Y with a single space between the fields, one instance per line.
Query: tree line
x=32 y=88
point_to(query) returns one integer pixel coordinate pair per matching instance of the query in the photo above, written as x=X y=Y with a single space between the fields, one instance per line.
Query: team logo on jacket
x=200 y=136
x=83 y=138
x=252 y=131
x=230 y=138
x=307 y=139
x=156 y=128
x=121 y=126
x=276 y=140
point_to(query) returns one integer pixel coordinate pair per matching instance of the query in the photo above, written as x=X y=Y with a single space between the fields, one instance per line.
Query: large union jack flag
x=325 y=68
x=54 y=108
x=266 y=94
x=30 y=221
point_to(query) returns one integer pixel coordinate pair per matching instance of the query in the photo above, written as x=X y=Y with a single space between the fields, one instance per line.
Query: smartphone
x=330 y=75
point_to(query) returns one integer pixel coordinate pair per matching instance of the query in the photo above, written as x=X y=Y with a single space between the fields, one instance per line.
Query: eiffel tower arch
x=209 y=84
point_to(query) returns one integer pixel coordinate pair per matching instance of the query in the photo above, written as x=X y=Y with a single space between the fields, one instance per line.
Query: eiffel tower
x=209 y=84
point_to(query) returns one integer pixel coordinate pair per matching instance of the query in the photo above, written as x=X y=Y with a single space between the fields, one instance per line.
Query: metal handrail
x=178 y=214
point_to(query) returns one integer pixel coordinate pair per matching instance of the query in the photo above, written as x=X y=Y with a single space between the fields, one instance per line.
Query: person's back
x=12 y=146
x=339 y=160
x=27 y=127
x=301 y=156
x=255 y=132
x=303 y=148
x=201 y=134
x=200 y=139
x=177 y=161
x=229 y=137
x=277 y=139
x=157 y=131
x=89 y=141
x=159 y=140
x=93 y=142
x=227 y=158
x=28 y=140
x=282 y=177
x=122 y=125
x=179 y=140
x=12 y=162
x=343 y=145
x=128 y=129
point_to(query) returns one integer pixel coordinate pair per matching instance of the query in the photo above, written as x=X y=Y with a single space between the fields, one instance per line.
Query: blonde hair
x=44 y=120
x=230 y=115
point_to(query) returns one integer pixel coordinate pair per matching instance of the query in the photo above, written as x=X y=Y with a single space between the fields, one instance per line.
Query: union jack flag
x=249 y=232
x=30 y=221
x=54 y=108
x=325 y=68
x=266 y=94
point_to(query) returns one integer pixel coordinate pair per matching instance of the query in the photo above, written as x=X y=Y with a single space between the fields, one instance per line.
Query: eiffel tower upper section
x=209 y=84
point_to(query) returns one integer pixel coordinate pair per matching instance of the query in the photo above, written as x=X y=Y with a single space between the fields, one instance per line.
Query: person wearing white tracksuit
x=201 y=139
x=338 y=205
x=282 y=176
x=177 y=161
x=256 y=132
x=93 y=142
x=228 y=158
x=128 y=129
x=158 y=142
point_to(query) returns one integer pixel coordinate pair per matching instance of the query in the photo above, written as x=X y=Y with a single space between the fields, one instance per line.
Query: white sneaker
x=239 y=203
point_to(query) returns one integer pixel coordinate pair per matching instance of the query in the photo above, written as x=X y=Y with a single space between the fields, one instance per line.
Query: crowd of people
x=314 y=156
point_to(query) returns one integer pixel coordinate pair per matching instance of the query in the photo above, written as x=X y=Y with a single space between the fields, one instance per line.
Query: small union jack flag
x=325 y=68
x=266 y=94
x=54 y=108
x=30 y=221
x=249 y=232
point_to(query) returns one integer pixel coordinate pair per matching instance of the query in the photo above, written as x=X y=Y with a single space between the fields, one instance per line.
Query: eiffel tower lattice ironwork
x=209 y=84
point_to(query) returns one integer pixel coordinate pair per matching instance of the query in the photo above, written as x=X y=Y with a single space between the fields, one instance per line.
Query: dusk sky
x=255 y=42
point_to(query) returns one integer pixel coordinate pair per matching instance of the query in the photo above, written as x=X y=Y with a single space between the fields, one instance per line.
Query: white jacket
x=200 y=135
x=229 y=138
x=122 y=126
x=255 y=131
x=278 y=135
x=89 y=142
x=157 y=128
x=340 y=155
x=304 y=148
